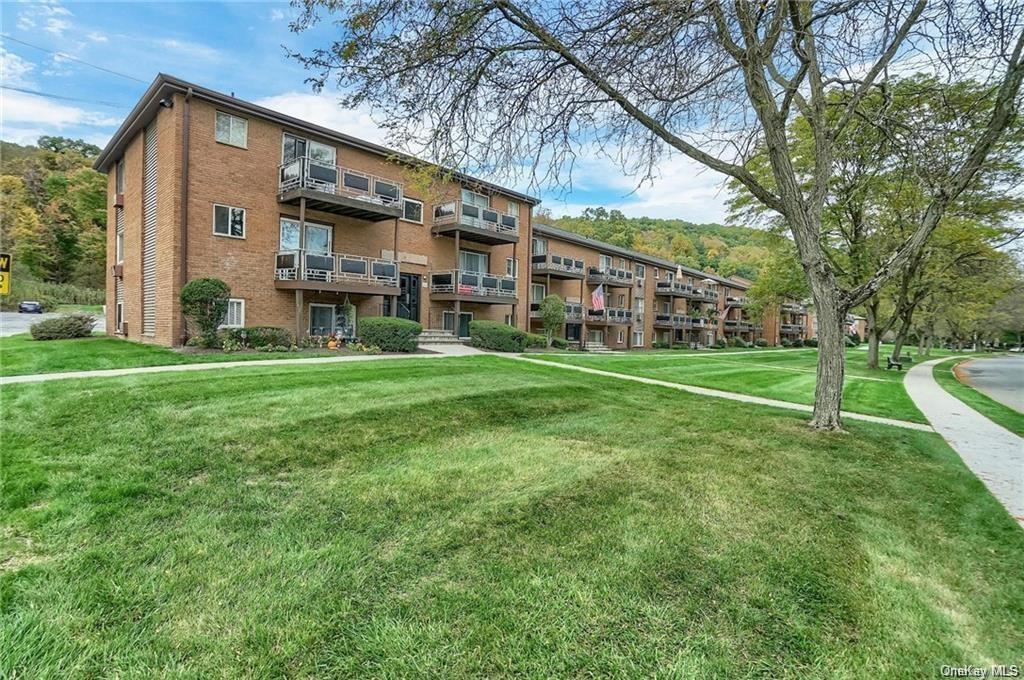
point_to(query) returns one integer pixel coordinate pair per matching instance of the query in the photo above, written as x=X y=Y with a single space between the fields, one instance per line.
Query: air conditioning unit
x=119 y=200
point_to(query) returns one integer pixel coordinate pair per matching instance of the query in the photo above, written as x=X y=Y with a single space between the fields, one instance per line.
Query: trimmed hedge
x=559 y=343
x=259 y=337
x=813 y=342
x=497 y=336
x=536 y=341
x=390 y=333
x=761 y=342
x=63 y=327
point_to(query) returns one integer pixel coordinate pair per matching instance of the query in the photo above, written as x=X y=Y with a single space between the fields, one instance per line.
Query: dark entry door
x=409 y=298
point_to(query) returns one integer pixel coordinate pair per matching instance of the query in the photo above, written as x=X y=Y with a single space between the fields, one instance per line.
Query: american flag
x=597 y=299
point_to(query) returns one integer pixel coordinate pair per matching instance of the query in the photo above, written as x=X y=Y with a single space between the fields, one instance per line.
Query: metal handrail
x=557 y=262
x=305 y=265
x=475 y=216
x=619 y=315
x=610 y=274
x=573 y=312
x=309 y=173
x=479 y=284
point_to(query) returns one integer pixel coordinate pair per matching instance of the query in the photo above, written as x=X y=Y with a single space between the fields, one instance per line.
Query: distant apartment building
x=313 y=230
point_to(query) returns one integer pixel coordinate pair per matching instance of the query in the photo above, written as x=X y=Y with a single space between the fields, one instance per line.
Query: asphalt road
x=12 y=323
x=1001 y=378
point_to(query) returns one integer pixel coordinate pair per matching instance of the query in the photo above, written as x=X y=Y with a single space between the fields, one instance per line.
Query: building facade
x=314 y=230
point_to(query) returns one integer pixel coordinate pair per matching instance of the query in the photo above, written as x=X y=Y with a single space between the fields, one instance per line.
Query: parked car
x=30 y=307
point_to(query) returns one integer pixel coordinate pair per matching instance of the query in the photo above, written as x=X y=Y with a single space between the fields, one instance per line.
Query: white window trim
x=119 y=317
x=229 y=207
x=636 y=335
x=230 y=143
x=119 y=247
x=241 y=301
x=543 y=291
x=621 y=337
x=309 y=326
x=515 y=267
x=533 y=246
x=412 y=200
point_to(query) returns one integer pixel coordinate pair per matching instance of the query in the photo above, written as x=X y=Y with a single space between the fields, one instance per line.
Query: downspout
x=183 y=236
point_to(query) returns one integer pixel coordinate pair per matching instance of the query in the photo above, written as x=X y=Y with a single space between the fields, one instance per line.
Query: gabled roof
x=165 y=85
x=573 y=237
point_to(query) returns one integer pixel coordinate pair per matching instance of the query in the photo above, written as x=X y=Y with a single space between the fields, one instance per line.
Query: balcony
x=475 y=223
x=456 y=284
x=341 y=191
x=738 y=326
x=610 y=276
x=557 y=266
x=794 y=308
x=673 y=289
x=668 y=320
x=610 y=316
x=792 y=328
x=573 y=312
x=337 y=272
x=739 y=302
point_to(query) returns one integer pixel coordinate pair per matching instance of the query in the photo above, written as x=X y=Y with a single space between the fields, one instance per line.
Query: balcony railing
x=478 y=217
x=792 y=327
x=794 y=308
x=672 y=288
x=309 y=173
x=304 y=265
x=573 y=312
x=735 y=325
x=476 y=284
x=735 y=301
x=557 y=263
x=610 y=276
x=611 y=315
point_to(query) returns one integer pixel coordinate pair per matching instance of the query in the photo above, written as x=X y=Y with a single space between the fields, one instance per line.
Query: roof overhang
x=165 y=85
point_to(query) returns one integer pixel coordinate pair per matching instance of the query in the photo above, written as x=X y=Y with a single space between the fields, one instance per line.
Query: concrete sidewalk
x=441 y=351
x=734 y=396
x=992 y=452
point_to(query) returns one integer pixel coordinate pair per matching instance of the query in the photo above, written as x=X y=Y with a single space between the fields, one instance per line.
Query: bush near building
x=205 y=302
x=497 y=336
x=390 y=334
x=63 y=327
x=761 y=342
x=536 y=341
x=257 y=337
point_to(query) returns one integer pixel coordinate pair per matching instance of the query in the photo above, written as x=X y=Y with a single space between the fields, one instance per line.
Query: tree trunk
x=828 y=392
x=871 y=330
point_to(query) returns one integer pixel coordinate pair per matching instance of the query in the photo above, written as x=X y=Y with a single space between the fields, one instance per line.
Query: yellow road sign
x=5 y=274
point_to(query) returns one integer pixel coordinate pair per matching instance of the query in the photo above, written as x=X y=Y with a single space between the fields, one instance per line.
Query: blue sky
x=237 y=47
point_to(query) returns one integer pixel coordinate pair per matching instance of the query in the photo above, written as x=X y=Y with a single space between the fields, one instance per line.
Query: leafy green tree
x=62 y=144
x=552 y=316
x=205 y=302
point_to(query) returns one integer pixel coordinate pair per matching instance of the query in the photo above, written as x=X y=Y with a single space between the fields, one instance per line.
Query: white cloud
x=14 y=70
x=277 y=15
x=323 y=109
x=51 y=14
x=57 y=26
x=97 y=37
x=197 y=50
x=19 y=107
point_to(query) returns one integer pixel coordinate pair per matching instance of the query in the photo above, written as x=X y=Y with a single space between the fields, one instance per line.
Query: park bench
x=898 y=362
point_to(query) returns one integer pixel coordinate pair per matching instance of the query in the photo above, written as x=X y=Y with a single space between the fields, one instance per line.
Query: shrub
x=559 y=343
x=536 y=341
x=799 y=342
x=205 y=301
x=257 y=337
x=720 y=343
x=813 y=342
x=761 y=342
x=737 y=342
x=850 y=342
x=363 y=348
x=63 y=327
x=785 y=342
x=497 y=336
x=390 y=333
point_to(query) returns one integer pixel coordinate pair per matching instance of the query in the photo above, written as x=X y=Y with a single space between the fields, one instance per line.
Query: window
x=513 y=209
x=640 y=270
x=292 y=148
x=657 y=274
x=470 y=261
x=540 y=246
x=622 y=337
x=119 y=316
x=508 y=320
x=232 y=130
x=228 y=221
x=638 y=305
x=537 y=292
x=622 y=300
x=119 y=177
x=638 y=338
x=318 y=236
x=235 y=316
x=327 y=319
x=605 y=262
x=119 y=247
x=412 y=211
x=473 y=198
x=622 y=263
x=511 y=267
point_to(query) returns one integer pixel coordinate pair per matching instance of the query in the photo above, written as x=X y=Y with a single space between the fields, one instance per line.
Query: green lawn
x=21 y=355
x=785 y=375
x=983 y=404
x=479 y=516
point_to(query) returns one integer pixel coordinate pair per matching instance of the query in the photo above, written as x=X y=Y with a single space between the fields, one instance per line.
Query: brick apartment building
x=313 y=229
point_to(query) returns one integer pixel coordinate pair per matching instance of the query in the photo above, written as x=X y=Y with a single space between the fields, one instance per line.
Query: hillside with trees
x=717 y=248
x=53 y=220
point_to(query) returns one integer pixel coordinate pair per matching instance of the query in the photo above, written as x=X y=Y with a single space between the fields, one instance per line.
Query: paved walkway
x=705 y=392
x=442 y=351
x=1001 y=378
x=992 y=452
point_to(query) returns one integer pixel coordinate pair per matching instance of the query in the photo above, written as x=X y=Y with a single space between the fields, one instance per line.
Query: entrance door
x=572 y=332
x=464 y=319
x=596 y=337
x=409 y=298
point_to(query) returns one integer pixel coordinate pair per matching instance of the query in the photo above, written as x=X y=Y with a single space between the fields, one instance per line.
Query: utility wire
x=60 y=96
x=63 y=55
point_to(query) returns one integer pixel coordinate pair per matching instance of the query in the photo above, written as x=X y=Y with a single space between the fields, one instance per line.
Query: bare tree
x=530 y=85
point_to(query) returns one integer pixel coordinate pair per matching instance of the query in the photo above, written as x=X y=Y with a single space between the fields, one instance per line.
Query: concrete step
x=433 y=336
x=597 y=347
